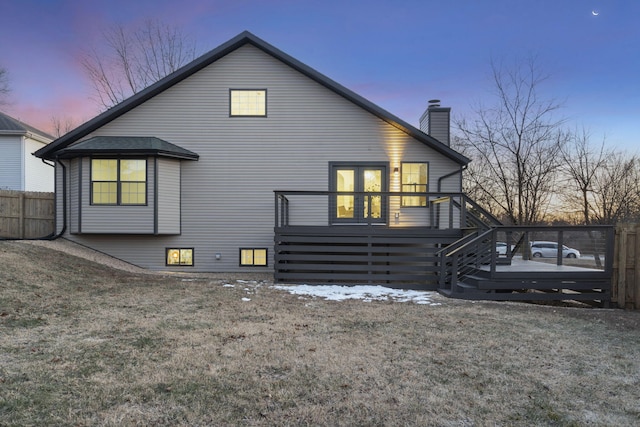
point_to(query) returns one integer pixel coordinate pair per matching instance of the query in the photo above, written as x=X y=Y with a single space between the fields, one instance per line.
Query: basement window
x=253 y=257
x=179 y=256
x=248 y=102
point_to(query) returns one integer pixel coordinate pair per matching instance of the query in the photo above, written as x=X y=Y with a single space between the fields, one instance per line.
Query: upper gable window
x=248 y=102
x=118 y=182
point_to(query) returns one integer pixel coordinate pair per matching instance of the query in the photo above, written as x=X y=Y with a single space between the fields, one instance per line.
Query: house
x=182 y=175
x=19 y=169
x=247 y=160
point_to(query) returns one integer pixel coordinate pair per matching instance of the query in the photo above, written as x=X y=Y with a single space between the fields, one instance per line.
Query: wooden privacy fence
x=26 y=215
x=625 y=289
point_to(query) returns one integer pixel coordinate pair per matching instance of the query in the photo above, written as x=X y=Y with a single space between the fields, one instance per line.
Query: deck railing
x=440 y=210
x=587 y=251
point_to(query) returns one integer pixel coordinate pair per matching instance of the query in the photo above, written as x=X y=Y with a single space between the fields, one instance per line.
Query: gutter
x=443 y=177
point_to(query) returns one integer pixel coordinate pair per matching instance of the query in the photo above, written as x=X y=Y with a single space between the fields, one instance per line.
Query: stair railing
x=466 y=254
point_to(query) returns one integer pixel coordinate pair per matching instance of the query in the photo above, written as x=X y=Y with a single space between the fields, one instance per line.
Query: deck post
x=275 y=205
x=560 y=245
x=454 y=273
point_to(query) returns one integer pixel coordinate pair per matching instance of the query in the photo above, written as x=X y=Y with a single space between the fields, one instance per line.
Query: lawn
x=82 y=344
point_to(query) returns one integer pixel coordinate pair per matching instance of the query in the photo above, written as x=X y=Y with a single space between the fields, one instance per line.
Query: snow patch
x=362 y=292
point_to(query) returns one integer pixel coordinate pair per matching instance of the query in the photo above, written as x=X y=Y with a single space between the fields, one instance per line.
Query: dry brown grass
x=82 y=344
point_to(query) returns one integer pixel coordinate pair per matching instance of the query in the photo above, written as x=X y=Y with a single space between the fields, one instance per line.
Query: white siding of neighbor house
x=227 y=199
x=11 y=167
x=38 y=175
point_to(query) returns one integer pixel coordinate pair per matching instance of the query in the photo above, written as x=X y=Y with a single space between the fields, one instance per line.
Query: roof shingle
x=127 y=145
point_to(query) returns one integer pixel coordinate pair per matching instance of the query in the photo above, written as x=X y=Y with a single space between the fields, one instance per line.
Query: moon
x=595 y=13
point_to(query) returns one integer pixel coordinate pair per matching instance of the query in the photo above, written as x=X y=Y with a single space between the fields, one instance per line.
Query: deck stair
x=471 y=270
x=479 y=287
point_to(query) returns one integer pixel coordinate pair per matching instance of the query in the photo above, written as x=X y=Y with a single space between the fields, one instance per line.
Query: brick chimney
x=436 y=121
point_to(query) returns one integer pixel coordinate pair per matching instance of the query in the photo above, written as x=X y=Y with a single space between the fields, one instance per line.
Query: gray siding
x=168 y=194
x=74 y=175
x=61 y=195
x=11 y=173
x=227 y=196
x=436 y=121
x=439 y=129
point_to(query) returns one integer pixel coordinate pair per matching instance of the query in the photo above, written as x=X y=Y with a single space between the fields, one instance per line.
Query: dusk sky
x=398 y=54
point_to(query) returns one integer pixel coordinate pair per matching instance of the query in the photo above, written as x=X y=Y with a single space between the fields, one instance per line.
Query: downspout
x=443 y=177
x=54 y=236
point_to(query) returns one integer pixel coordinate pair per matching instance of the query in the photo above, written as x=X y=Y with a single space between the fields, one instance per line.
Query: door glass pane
x=345 y=182
x=373 y=184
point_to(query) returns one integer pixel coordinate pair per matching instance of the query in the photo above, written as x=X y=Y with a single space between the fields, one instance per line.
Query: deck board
x=519 y=265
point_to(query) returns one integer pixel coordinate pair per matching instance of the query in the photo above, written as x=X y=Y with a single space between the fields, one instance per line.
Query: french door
x=352 y=207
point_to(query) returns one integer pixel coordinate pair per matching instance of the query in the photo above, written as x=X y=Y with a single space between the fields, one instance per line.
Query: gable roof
x=11 y=126
x=49 y=152
x=127 y=145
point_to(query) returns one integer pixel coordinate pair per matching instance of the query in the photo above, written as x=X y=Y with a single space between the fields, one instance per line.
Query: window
x=250 y=256
x=248 y=102
x=118 y=181
x=414 y=180
x=180 y=256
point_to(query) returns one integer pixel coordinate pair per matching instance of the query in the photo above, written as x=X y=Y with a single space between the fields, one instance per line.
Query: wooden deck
x=391 y=256
x=454 y=253
x=472 y=270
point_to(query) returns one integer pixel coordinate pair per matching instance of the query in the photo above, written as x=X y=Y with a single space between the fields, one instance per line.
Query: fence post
x=21 y=215
x=635 y=294
x=622 y=266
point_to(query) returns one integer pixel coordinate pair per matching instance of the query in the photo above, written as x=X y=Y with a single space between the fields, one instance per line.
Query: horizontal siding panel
x=74 y=177
x=168 y=196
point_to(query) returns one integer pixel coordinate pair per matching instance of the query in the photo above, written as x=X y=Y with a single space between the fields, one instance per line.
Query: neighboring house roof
x=49 y=152
x=127 y=145
x=11 y=126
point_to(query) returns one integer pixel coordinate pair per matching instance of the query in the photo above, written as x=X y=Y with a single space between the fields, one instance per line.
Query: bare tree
x=616 y=190
x=133 y=60
x=4 y=86
x=62 y=125
x=602 y=185
x=514 y=145
x=582 y=163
